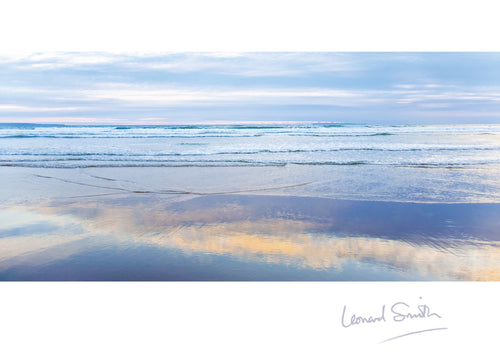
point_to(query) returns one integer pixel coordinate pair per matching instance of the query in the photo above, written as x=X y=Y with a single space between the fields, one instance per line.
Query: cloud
x=246 y=64
x=75 y=120
x=18 y=108
x=434 y=95
x=415 y=86
x=138 y=95
x=56 y=60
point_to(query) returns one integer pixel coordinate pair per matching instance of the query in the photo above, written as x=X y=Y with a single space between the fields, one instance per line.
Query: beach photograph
x=250 y=166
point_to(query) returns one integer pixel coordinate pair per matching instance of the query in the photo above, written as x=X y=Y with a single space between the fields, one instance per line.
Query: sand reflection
x=232 y=229
x=323 y=252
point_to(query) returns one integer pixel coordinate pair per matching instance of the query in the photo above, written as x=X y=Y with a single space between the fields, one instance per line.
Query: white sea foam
x=31 y=145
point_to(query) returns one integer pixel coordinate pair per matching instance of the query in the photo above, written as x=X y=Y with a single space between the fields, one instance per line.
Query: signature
x=398 y=312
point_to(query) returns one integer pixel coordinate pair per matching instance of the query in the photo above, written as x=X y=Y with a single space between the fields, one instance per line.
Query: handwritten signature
x=399 y=312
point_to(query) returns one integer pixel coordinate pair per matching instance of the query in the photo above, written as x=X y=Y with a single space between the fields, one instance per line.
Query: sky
x=262 y=87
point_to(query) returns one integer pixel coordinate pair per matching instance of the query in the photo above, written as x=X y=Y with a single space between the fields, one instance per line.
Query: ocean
x=56 y=146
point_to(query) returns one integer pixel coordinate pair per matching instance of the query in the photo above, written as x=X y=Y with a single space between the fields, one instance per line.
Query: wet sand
x=99 y=225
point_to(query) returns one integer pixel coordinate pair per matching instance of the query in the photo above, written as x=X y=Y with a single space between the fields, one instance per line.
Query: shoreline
x=406 y=185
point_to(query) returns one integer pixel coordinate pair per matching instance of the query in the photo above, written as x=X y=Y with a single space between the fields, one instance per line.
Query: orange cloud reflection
x=301 y=243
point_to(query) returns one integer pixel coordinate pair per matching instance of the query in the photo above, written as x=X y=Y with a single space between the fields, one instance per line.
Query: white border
x=260 y=25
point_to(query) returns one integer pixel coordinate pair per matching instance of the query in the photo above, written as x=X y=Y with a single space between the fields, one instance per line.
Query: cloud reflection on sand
x=323 y=252
x=227 y=230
